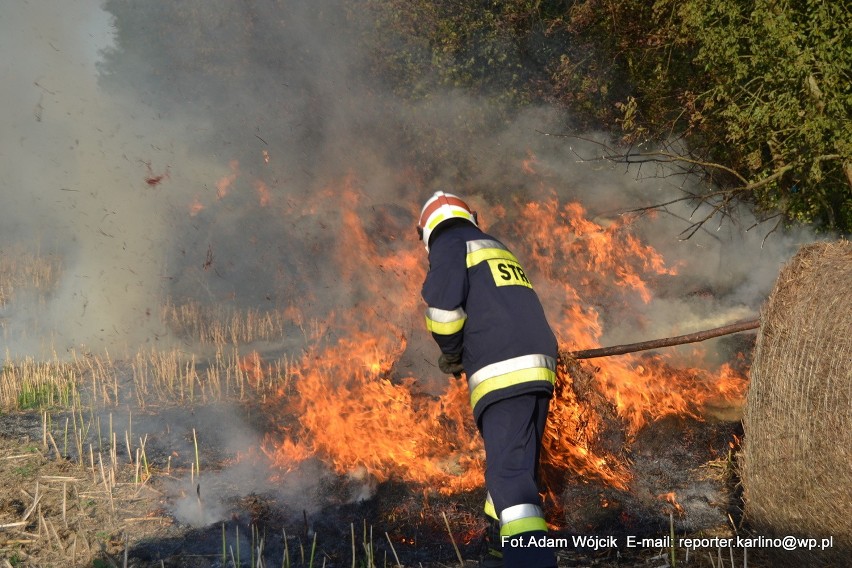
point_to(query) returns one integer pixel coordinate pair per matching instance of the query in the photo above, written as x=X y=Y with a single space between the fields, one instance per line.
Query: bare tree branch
x=719 y=201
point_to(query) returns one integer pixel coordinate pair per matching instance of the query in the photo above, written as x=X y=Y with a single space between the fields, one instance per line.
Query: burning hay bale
x=797 y=471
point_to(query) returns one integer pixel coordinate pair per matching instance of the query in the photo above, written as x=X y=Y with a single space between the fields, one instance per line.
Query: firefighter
x=488 y=323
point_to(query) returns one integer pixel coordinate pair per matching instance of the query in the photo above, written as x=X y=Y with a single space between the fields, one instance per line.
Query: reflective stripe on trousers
x=489 y=507
x=517 y=519
x=521 y=519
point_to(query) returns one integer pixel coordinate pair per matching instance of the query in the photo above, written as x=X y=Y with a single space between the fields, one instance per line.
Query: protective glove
x=450 y=364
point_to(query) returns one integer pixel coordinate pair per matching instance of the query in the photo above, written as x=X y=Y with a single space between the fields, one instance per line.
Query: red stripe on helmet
x=437 y=204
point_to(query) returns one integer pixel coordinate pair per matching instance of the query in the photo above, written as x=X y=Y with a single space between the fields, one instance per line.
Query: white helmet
x=439 y=208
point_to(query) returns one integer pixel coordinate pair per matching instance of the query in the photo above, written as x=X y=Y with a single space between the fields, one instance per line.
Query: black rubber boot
x=492 y=556
x=528 y=550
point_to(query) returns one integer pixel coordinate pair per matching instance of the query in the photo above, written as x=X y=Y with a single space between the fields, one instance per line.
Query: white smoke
x=72 y=182
x=86 y=121
x=90 y=114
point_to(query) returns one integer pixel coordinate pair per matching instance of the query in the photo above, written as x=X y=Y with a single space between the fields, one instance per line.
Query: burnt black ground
x=238 y=492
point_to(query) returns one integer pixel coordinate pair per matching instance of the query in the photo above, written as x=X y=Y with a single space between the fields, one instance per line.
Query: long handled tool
x=666 y=341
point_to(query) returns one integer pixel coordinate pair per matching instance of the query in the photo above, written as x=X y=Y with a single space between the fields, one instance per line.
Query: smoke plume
x=195 y=151
x=118 y=119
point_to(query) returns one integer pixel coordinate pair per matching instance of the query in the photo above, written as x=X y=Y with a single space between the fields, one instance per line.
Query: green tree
x=777 y=101
x=758 y=92
x=502 y=50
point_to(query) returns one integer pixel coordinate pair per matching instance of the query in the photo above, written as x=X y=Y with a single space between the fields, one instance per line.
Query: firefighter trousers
x=512 y=430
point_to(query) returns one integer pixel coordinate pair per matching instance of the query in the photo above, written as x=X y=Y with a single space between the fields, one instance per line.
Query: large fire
x=352 y=407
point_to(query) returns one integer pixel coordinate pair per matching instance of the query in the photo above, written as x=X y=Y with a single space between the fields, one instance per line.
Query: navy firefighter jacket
x=481 y=304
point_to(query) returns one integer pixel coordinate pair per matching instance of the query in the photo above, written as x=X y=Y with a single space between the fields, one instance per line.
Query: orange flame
x=355 y=417
x=584 y=263
x=223 y=186
x=355 y=410
x=528 y=165
x=572 y=430
x=262 y=193
x=671 y=498
x=195 y=207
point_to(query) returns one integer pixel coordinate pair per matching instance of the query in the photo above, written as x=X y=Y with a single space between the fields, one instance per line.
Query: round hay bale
x=797 y=454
